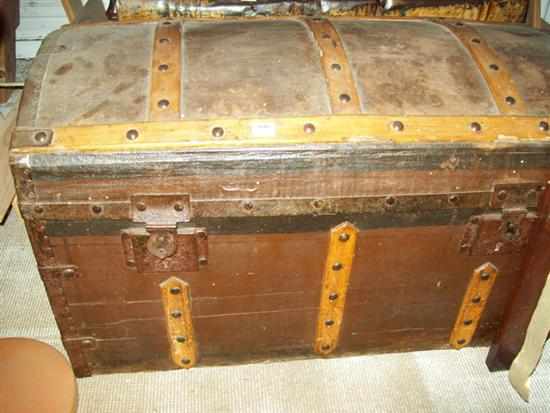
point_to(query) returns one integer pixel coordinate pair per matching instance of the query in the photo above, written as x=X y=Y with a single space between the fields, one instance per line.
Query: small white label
x=263 y=130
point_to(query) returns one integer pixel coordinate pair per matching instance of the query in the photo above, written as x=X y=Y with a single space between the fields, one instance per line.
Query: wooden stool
x=35 y=377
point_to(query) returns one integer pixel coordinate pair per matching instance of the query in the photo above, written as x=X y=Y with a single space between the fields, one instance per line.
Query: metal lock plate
x=506 y=231
x=498 y=233
x=165 y=250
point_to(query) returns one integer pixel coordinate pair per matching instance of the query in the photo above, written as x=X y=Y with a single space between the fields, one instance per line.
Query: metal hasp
x=160 y=245
x=341 y=251
x=505 y=231
x=176 y=300
x=473 y=304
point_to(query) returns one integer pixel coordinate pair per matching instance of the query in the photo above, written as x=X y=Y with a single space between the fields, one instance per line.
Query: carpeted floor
x=435 y=381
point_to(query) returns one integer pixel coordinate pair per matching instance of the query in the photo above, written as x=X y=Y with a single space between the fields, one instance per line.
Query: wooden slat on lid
x=336 y=67
x=164 y=103
x=493 y=69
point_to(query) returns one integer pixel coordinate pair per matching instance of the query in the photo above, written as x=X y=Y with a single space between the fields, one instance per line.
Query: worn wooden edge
x=338 y=267
x=176 y=302
x=166 y=72
x=336 y=67
x=473 y=304
x=493 y=69
x=227 y=133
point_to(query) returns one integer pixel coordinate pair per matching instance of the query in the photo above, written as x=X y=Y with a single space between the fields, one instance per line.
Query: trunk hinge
x=160 y=245
x=506 y=228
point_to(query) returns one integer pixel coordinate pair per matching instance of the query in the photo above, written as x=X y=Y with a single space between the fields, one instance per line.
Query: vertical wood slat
x=498 y=78
x=176 y=300
x=338 y=267
x=166 y=72
x=474 y=302
x=336 y=67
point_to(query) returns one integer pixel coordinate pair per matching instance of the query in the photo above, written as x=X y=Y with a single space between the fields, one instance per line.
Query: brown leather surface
x=35 y=377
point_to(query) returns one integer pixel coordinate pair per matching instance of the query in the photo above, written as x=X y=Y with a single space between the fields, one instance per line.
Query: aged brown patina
x=235 y=189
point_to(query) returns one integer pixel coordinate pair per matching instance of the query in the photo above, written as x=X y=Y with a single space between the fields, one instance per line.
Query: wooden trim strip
x=176 y=302
x=338 y=266
x=473 y=304
x=231 y=133
x=337 y=70
x=499 y=80
x=164 y=102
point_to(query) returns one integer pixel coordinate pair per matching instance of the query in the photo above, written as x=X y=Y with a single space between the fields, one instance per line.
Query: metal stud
x=475 y=127
x=390 y=202
x=309 y=128
x=97 y=209
x=163 y=103
x=510 y=100
x=453 y=199
x=42 y=138
x=345 y=98
x=543 y=126
x=132 y=135
x=217 y=132
x=344 y=236
x=397 y=126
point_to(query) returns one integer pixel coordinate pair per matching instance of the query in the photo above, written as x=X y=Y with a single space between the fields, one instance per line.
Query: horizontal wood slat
x=281 y=131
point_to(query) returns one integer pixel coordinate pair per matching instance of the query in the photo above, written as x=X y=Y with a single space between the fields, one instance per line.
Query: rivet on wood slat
x=42 y=138
x=338 y=267
x=475 y=127
x=217 y=132
x=397 y=126
x=132 y=135
x=309 y=128
x=473 y=304
x=179 y=324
